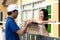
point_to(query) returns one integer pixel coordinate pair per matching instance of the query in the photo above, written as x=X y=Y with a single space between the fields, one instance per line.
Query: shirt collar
x=10 y=17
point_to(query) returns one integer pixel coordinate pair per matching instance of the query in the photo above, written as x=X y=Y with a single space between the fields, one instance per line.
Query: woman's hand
x=51 y=20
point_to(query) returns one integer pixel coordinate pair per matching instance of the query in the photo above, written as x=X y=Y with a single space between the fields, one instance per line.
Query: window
x=1 y=18
x=49 y=9
x=31 y=10
x=36 y=4
x=49 y=16
x=29 y=14
x=28 y=6
x=36 y=13
x=24 y=16
x=0 y=23
x=49 y=28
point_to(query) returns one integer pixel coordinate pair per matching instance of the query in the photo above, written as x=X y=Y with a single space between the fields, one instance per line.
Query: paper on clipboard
x=33 y=28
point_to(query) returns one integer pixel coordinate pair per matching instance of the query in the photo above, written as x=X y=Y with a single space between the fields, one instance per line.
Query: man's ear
x=12 y=12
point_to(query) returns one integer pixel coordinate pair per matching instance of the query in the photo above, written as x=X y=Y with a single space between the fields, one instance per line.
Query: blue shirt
x=11 y=29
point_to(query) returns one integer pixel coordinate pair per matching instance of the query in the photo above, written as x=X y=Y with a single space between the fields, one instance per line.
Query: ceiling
x=1 y=1
x=7 y=2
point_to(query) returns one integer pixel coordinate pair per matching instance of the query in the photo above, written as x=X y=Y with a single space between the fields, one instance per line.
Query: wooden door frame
x=59 y=18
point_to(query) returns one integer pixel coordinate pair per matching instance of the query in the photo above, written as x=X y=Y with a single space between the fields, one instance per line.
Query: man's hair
x=9 y=13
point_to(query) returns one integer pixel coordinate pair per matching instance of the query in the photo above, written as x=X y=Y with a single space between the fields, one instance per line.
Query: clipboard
x=33 y=28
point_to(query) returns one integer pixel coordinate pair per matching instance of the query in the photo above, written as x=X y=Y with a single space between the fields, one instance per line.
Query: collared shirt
x=11 y=29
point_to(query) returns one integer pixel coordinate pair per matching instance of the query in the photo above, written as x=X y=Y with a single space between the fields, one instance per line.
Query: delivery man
x=12 y=30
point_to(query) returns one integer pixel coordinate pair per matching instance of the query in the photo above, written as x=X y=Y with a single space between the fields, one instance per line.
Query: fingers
x=28 y=21
x=52 y=20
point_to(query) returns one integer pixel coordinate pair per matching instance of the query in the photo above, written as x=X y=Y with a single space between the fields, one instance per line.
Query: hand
x=51 y=20
x=28 y=22
x=46 y=34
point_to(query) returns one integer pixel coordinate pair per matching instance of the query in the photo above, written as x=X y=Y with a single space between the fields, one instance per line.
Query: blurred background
x=29 y=9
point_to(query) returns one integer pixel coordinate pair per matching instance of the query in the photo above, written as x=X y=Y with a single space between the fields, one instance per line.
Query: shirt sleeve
x=13 y=26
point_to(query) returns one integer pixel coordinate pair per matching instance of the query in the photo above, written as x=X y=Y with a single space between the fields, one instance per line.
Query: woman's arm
x=46 y=22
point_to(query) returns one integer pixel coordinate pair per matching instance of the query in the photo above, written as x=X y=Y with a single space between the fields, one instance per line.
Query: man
x=12 y=30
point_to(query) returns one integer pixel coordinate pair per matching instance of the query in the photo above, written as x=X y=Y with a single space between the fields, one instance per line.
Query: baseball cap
x=12 y=7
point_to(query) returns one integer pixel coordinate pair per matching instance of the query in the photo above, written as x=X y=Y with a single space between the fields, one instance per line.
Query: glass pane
x=0 y=23
x=29 y=14
x=49 y=28
x=36 y=13
x=36 y=5
x=28 y=6
x=24 y=15
x=1 y=16
x=49 y=9
x=49 y=16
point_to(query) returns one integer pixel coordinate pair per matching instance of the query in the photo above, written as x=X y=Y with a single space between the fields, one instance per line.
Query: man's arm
x=23 y=30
